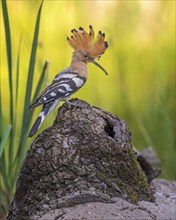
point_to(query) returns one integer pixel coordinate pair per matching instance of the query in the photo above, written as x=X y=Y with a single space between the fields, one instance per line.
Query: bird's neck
x=79 y=66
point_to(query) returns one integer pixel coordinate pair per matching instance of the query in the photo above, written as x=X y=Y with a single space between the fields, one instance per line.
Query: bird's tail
x=47 y=108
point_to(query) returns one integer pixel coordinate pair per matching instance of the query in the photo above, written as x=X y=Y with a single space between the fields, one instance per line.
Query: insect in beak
x=97 y=64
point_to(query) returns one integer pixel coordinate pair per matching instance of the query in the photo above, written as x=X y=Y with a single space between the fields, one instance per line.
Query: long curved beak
x=97 y=64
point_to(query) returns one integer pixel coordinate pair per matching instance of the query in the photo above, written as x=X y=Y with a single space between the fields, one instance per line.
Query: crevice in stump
x=85 y=156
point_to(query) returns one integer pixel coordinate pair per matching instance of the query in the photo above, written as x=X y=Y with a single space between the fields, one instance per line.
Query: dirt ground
x=164 y=207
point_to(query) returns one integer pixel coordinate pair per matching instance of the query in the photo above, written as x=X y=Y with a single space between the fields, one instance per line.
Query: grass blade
x=41 y=80
x=1 y=116
x=4 y=139
x=9 y=54
x=3 y=175
x=9 y=60
x=36 y=93
x=26 y=113
x=17 y=71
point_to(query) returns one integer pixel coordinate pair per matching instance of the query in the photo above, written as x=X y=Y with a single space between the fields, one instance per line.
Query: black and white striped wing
x=63 y=86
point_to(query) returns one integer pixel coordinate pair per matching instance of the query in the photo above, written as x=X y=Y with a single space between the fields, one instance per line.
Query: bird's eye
x=85 y=55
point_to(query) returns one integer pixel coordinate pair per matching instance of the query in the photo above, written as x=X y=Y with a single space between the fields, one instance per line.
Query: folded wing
x=63 y=86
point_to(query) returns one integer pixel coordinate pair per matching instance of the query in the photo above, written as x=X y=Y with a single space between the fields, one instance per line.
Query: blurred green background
x=140 y=61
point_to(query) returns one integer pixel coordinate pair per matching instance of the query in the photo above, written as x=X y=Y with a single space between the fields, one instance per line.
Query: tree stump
x=85 y=156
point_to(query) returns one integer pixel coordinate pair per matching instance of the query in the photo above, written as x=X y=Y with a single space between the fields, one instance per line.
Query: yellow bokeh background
x=140 y=61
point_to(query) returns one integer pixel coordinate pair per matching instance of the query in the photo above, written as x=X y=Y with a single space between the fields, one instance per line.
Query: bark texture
x=85 y=156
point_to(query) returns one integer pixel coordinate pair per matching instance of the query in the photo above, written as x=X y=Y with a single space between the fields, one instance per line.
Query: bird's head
x=86 y=47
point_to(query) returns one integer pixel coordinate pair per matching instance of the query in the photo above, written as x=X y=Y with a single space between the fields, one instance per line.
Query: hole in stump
x=109 y=130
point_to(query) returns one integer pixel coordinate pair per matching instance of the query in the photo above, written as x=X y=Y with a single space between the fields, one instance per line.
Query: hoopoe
x=86 y=49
